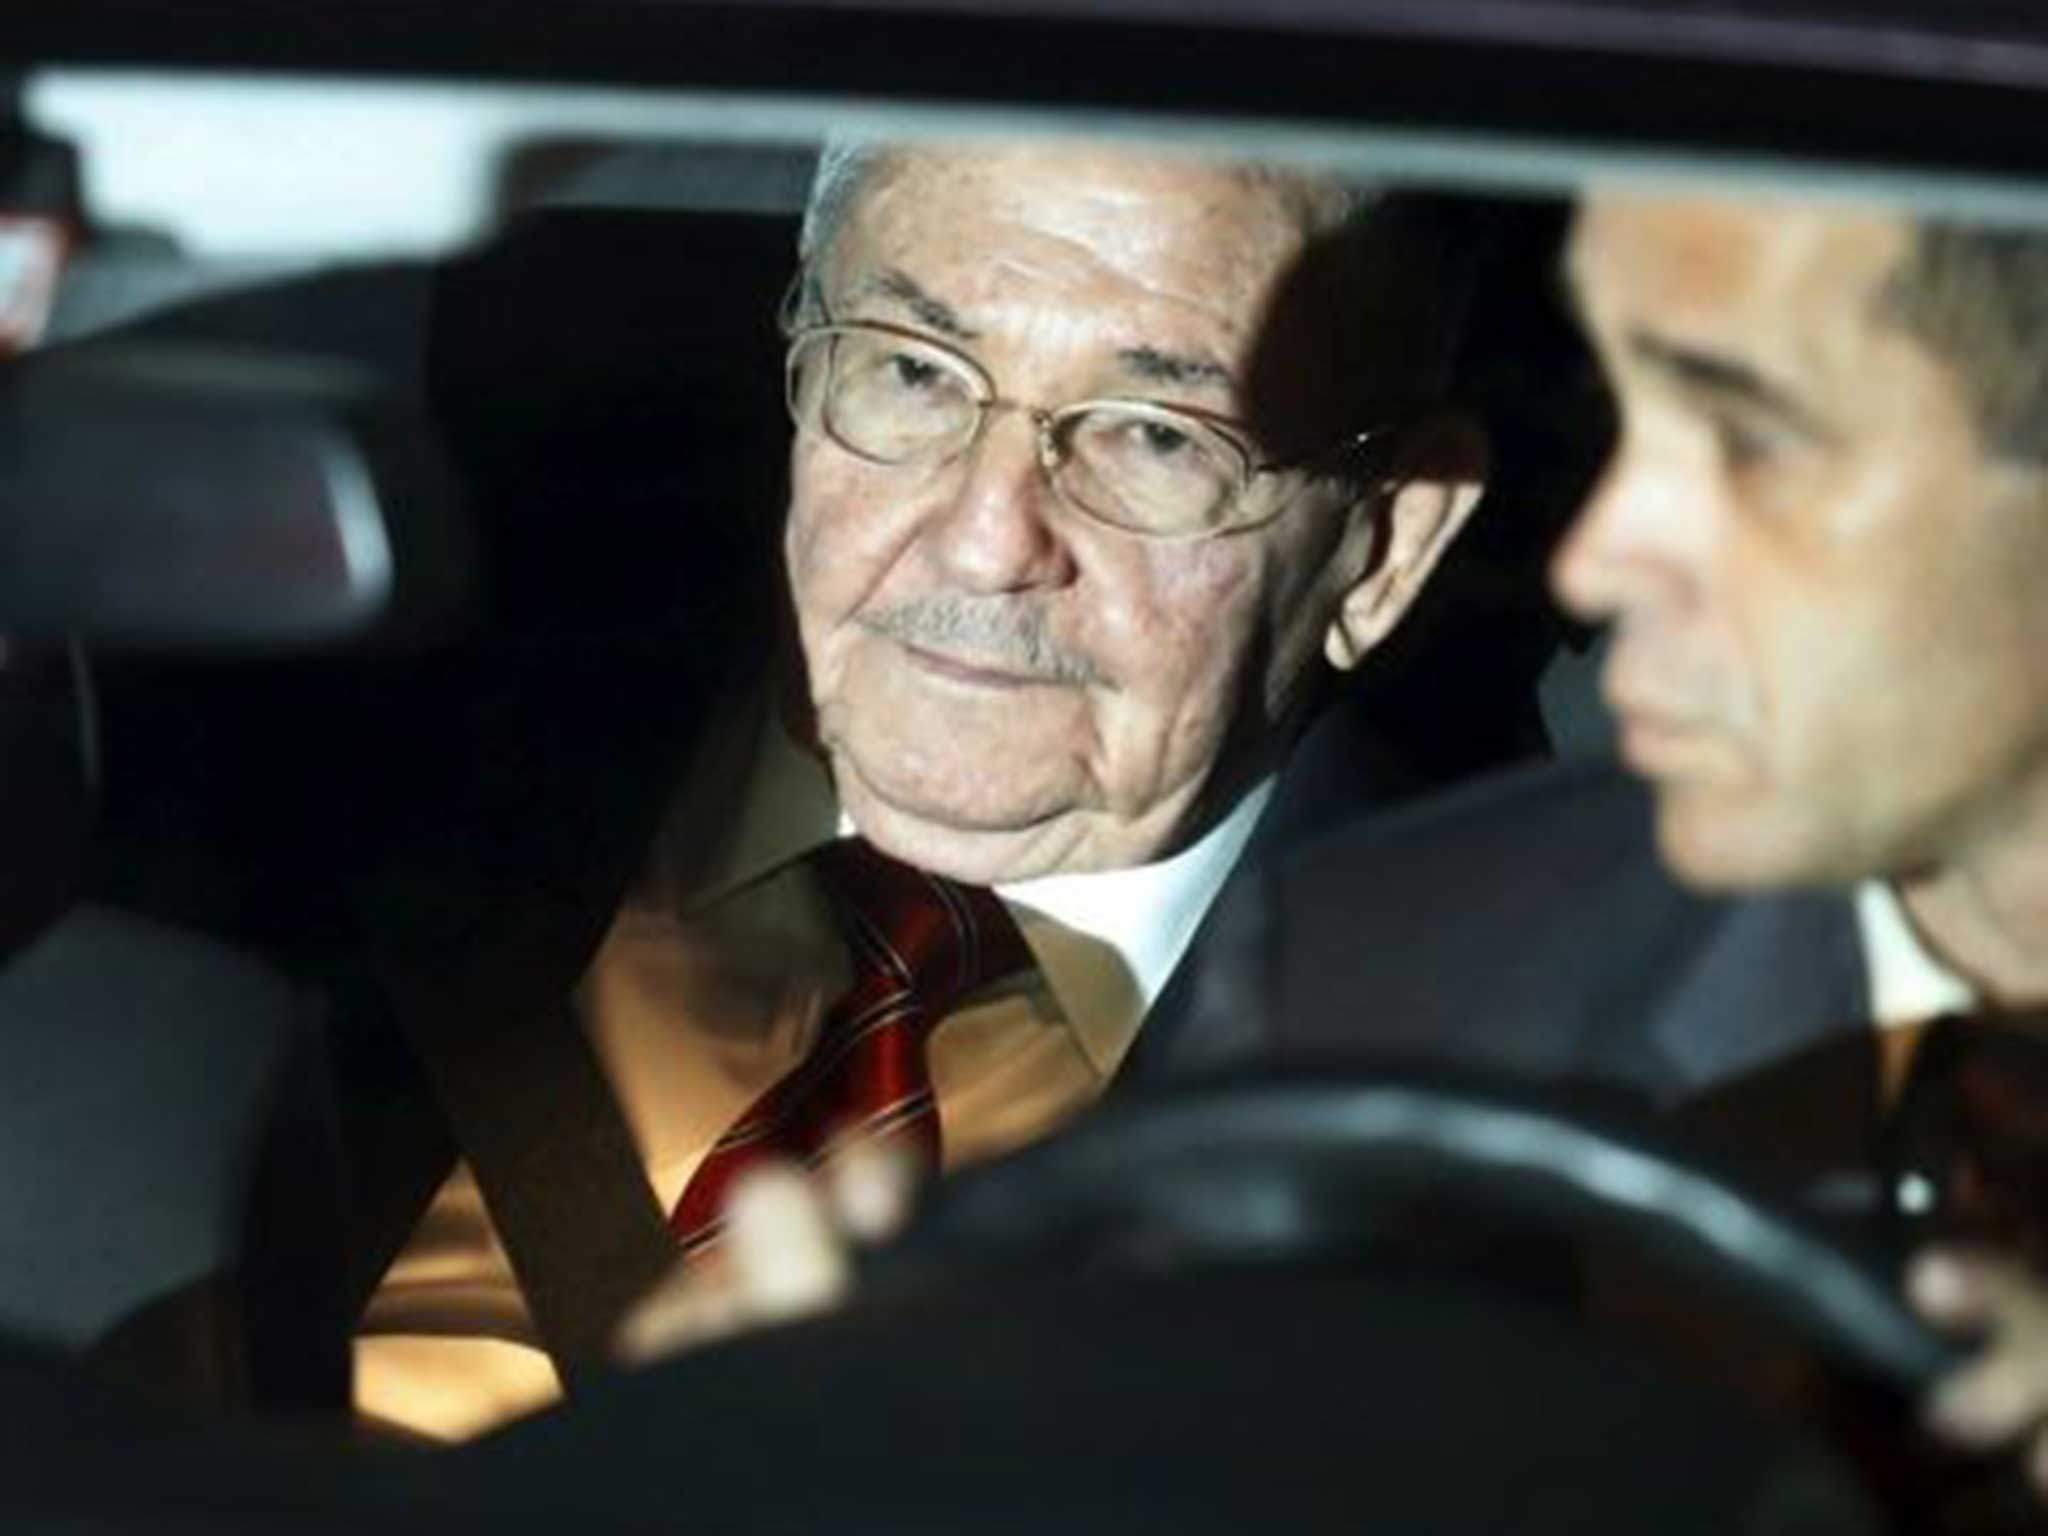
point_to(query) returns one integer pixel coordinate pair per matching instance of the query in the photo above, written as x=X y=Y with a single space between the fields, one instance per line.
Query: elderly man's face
x=1830 y=601
x=1005 y=687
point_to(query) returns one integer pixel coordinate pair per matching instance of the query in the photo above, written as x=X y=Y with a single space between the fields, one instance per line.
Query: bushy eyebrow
x=1728 y=378
x=1159 y=367
x=896 y=284
x=1147 y=364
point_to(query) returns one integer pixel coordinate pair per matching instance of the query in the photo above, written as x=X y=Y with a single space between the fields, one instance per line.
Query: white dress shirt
x=1909 y=986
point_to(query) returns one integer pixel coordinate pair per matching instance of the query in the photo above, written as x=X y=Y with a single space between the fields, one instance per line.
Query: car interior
x=397 y=456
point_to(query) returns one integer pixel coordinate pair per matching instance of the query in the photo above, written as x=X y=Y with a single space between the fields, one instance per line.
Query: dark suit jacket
x=1523 y=923
x=1523 y=928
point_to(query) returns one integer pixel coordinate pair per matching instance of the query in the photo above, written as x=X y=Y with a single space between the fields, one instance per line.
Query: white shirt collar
x=1908 y=984
x=1108 y=941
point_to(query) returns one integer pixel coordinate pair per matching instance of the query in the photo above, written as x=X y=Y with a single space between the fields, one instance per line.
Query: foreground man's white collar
x=1908 y=983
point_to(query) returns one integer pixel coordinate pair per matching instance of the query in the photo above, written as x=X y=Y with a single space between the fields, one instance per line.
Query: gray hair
x=846 y=162
x=843 y=164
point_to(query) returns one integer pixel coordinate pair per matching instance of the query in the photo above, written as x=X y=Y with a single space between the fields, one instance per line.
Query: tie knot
x=935 y=937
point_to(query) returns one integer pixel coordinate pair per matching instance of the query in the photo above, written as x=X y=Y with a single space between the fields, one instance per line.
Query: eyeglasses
x=893 y=396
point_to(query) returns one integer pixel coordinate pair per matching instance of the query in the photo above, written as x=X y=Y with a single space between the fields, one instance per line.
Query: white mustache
x=994 y=631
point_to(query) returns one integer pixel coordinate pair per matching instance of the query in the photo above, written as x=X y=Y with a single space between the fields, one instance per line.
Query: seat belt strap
x=534 y=1115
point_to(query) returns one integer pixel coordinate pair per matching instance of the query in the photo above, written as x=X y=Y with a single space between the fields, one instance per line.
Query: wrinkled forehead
x=1081 y=216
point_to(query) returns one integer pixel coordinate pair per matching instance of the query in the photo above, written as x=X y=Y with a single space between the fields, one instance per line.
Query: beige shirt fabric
x=696 y=1006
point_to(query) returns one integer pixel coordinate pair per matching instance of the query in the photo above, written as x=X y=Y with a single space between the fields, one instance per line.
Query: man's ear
x=1406 y=526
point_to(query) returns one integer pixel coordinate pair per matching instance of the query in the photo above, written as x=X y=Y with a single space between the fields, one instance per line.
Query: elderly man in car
x=1815 y=918
x=1105 y=460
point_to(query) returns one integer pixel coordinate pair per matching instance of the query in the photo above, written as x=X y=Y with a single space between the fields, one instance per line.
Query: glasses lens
x=884 y=397
x=1150 y=470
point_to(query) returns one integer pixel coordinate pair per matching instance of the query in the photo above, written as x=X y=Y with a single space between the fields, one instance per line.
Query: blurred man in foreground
x=1824 y=545
x=1822 y=542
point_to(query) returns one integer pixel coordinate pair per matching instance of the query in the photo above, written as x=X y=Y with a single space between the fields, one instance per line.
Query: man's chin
x=965 y=836
x=1699 y=862
x=1719 y=842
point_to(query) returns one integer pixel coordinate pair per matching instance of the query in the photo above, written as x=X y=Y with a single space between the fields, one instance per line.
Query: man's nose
x=1637 y=543
x=999 y=529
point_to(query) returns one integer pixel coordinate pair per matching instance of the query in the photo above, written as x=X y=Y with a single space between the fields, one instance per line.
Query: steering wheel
x=1159 y=1320
x=1177 y=1315
x=1295 y=1167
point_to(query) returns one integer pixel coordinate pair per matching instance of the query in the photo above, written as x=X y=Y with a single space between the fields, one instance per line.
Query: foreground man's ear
x=1436 y=481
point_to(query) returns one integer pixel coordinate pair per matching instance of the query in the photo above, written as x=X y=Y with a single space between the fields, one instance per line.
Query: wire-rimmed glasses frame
x=1056 y=429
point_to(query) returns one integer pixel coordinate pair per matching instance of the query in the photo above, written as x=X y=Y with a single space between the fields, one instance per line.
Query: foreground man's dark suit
x=1521 y=926
x=1524 y=930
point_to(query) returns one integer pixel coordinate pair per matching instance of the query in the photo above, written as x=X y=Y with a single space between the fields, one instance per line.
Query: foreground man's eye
x=1744 y=448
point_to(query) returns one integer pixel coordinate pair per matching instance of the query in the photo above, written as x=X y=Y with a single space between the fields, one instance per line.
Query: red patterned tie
x=919 y=942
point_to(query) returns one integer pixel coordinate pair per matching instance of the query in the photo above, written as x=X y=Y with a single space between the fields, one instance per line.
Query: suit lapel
x=1766 y=1056
x=1760 y=981
x=1215 y=1006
